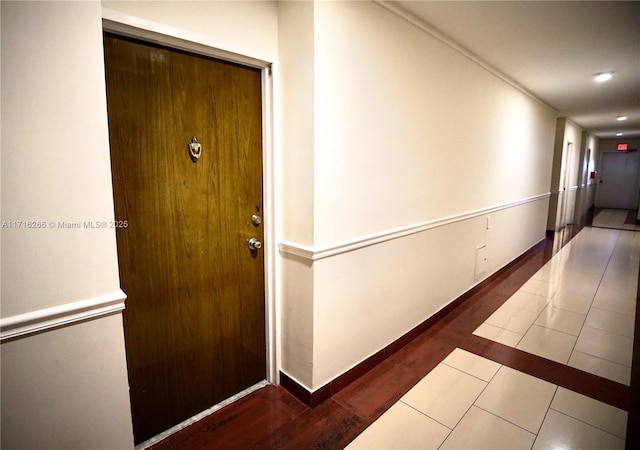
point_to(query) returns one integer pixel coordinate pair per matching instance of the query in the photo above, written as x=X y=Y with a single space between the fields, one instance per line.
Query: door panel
x=618 y=186
x=195 y=317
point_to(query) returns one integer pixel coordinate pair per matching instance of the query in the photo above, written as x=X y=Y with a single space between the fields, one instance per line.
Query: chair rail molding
x=314 y=254
x=44 y=319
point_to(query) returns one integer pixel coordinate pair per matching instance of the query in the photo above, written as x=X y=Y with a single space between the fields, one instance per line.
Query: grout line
x=470 y=374
x=424 y=414
x=546 y=413
x=573 y=350
x=587 y=423
x=603 y=359
x=506 y=420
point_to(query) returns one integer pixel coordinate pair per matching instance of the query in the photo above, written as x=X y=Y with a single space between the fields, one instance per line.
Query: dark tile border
x=315 y=398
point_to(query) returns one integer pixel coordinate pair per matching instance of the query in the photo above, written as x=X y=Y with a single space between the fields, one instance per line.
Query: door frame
x=132 y=26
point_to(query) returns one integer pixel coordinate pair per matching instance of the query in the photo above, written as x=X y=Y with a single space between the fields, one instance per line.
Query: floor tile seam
x=500 y=328
x=614 y=312
x=600 y=357
x=562 y=309
x=559 y=331
x=618 y=337
x=470 y=374
x=607 y=331
x=507 y=329
x=501 y=418
x=534 y=321
x=427 y=416
x=486 y=384
x=551 y=329
x=573 y=348
x=587 y=423
x=546 y=413
x=570 y=310
x=624 y=314
x=607 y=266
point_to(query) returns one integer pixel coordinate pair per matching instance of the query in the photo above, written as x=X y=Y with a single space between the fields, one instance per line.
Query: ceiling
x=553 y=49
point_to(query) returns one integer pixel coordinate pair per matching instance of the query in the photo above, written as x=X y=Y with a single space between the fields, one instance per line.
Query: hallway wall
x=65 y=387
x=405 y=173
x=414 y=147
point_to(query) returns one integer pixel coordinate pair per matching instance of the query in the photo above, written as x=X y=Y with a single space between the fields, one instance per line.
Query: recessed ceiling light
x=621 y=118
x=602 y=77
x=618 y=134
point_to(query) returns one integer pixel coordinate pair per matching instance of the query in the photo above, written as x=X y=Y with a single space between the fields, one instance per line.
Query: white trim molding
x=314 y=254
x=56 y=316
x=135 y=27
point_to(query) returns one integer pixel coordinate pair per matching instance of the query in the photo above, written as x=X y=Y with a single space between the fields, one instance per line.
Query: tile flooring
x=453 y=388
x=579 y=308
x=468 y=402
x=621 y=219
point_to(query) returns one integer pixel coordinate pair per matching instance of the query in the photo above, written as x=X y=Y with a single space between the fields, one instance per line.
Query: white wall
x=414 y=146
x=296 y=72
x=409 y=130
x=55 y=159
x=296 y=179
x=65 y=388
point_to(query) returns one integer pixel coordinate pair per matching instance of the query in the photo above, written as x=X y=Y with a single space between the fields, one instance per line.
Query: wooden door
x=195 y=316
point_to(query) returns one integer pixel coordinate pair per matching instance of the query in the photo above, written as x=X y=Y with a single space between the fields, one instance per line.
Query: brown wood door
x=195 y=315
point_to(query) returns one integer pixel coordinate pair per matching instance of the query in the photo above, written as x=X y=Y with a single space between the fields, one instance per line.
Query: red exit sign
x=623 y=147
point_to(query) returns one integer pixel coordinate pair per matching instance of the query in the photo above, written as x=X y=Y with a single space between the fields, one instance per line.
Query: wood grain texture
x=195 y=317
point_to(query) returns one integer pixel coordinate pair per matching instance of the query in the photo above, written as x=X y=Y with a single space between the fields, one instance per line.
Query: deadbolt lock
x=254 y=244
x=256 y=220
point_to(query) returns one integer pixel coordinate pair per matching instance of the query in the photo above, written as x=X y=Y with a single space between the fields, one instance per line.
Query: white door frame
x=131 y=26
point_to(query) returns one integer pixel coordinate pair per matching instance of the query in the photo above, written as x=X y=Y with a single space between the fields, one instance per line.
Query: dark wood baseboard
x=315 y=398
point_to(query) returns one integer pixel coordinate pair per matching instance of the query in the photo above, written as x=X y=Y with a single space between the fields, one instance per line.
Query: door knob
x=254 y=244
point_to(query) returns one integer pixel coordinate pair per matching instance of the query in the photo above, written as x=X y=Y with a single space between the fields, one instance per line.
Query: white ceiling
x=553 y=48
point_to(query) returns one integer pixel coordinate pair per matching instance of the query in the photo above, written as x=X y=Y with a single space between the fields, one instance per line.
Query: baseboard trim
x=315 y=398
x=33 y=322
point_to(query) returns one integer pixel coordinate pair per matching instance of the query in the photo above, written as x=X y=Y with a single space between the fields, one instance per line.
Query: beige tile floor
x=579 y=309
x=613 y=218
x=471 y=402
